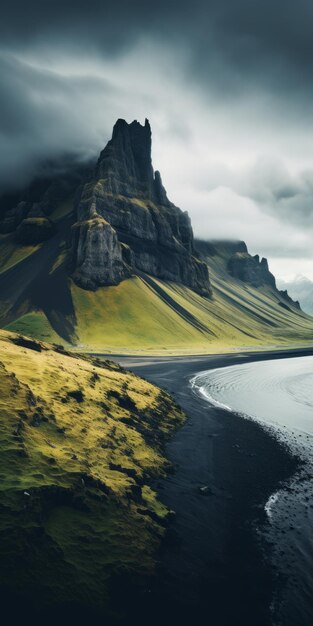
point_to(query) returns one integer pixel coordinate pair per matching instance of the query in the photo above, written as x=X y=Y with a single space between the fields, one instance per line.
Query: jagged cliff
x=243 y=266
x=125 y=222
x=301 y=288
x=251 y=269
x=98 y=256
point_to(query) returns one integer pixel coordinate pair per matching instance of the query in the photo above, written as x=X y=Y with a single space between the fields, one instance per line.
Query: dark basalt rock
x=285 y=295
x=97 y=253
x=144 y=231
x=125 y=163
x=250 y=269
x=222 y=248
x=235 y=257
x=33 y=230
x=24 y=342
x=14 y=216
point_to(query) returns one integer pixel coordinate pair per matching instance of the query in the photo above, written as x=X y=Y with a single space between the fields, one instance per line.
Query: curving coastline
x=215 y=563
x=278 y=395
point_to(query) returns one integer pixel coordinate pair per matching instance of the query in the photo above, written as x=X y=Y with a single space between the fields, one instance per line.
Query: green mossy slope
x=80 y=441
x=156 y=317
x=36 y=325
x=11 y=253
x=143 y=314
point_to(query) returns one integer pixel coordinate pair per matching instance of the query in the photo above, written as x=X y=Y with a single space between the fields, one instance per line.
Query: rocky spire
x=125 y=222
x=134 y=140
x=125 y=163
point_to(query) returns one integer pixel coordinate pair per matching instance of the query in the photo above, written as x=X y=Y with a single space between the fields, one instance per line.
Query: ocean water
x=279 y=395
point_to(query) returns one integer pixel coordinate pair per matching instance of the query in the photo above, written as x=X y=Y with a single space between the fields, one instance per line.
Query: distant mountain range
x=98 y=257
x=301 y=288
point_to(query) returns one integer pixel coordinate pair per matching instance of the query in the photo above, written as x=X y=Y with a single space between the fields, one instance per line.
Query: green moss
x=97 y=220
x=11 y=253
x=80 y=441
x=128 y=316
x=155 y=317
x=35 y=324
x=132 y=317
x=153 y=503
x=35 y=221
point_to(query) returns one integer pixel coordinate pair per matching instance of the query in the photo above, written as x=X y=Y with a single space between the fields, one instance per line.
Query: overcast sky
x=226 y=84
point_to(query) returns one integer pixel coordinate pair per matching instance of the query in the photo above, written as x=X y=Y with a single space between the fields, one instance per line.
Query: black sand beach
x=214 y=566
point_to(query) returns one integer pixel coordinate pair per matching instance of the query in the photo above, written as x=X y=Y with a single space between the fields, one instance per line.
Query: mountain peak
x=125 y=163
x=121 y=126
x=125 y=222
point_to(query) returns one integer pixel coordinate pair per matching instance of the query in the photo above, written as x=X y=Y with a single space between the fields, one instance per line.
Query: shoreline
x=213 y=562
x=226 y=350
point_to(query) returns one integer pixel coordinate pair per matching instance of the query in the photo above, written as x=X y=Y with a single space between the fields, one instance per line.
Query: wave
x=278 y=395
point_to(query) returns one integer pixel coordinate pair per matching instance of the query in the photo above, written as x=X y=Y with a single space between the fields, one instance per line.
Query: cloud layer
x=226 y=84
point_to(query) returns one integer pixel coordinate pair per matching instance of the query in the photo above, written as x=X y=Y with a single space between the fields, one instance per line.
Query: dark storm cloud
x=232 y=78
x=231 y=47
x=243 y=35
x=39 y=120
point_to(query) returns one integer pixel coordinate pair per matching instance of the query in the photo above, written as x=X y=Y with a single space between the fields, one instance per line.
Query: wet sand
x=214 y=566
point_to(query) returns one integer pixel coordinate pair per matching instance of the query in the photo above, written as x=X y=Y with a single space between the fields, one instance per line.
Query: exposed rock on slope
x=98 y=254
x=242 y=266
x=150 y=234
x=284 y=293
x=302 y=289
x=134 y=264
x=251 y=269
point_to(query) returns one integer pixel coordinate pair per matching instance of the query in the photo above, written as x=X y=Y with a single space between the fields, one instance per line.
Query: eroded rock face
x=98 y=254
x=152 y=235
x=285 y=295
x=251 y=269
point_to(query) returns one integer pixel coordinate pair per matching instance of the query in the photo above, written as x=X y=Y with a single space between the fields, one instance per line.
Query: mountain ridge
x=125 y=221
x=302 y=289
x=120 y=269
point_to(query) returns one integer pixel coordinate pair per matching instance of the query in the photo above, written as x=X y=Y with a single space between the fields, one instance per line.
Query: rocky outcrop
x=285 y=295
x=219 y=248
x=98 y=254
x=301 y=288
x=237 y=261
x=232 y=258
x=251 y=270
x=151 y=234
x=34 y=230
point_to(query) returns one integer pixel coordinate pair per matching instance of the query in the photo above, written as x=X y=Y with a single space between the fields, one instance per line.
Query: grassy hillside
x=80 y=441
x=156 y=317
x=143 y=314
x=35 y=324
x=11 y=253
